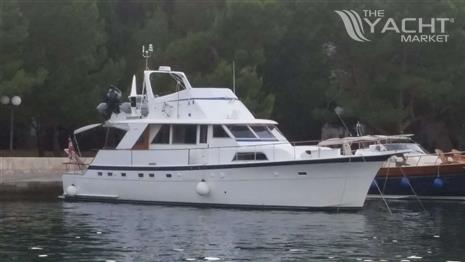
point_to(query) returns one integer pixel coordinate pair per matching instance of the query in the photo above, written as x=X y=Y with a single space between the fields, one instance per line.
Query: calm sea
x=63 y=231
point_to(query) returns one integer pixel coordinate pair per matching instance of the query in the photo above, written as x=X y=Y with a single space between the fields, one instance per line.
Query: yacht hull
x=446 y=180
x=320 y=184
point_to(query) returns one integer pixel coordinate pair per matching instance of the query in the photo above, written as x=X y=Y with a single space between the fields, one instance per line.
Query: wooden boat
x=416 y=173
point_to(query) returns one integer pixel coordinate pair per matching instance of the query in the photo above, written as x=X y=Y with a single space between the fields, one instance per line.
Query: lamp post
x=14 y=101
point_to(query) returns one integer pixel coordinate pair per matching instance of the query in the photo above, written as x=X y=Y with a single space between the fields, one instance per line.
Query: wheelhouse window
x=203 y=134
x=219 y=132
x=163 y=135
x=247 y=156
x=272 y=128
x=241 y=132
x=184 y=134
x=263 y=132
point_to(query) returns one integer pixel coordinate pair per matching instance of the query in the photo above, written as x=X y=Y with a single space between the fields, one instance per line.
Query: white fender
x=202 y=188
x=71 y=190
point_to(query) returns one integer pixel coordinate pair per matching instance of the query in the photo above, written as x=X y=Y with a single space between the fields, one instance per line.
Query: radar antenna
x=147 y=53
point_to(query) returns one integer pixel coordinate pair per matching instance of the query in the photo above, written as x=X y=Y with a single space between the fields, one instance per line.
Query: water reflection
x=63 y=231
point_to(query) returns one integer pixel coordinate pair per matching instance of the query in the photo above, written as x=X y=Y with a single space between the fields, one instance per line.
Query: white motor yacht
x=202 y=146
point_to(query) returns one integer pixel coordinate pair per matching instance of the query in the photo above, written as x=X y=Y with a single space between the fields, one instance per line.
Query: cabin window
x=123 y=174
x=219 y=132
x=141 y=175
x=184 y=134
x=151 y=175
x=163 y=135
x=241 y=131
x=203 y=134
x=244 y=156
x=263 y=132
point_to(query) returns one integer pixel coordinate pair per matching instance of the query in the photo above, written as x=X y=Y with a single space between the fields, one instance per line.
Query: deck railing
x=279 y=150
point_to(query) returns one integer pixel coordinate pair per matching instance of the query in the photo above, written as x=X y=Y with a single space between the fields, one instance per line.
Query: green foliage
x=294 y=61
x=391 y=85
x=248 y=87
x=72 y=51
x=14 y=78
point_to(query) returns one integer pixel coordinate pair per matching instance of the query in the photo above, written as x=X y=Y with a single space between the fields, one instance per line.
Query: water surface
x=64 y=231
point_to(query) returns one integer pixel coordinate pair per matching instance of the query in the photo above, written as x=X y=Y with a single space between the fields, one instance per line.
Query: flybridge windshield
x=252 y=133
x=165 y=83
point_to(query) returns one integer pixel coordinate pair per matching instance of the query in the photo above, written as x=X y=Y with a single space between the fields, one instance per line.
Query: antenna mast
x=234 y=76
x=147 y=53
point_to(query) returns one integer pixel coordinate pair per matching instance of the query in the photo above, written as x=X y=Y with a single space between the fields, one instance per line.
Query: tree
x=396 y=87
x=71 y=49
x=14 y=78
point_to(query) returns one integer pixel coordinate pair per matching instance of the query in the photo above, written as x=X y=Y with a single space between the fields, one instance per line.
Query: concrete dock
x=32 y=177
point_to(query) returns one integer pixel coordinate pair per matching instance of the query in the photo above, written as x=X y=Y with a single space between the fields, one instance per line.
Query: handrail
x=222 y=154
x=75 y=167
x=218 y=154
x=199 y=148
x=304 y=141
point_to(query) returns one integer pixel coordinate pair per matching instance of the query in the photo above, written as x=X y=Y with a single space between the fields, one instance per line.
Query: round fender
x=438 y=182
x=404 y=182
x=71 y=190
x=202 y=188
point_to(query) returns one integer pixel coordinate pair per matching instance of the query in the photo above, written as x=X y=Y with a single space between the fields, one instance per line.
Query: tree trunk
x=40 y=149
x=55 y=141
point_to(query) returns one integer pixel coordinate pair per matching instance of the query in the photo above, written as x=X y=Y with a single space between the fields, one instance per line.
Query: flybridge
x=411 y=29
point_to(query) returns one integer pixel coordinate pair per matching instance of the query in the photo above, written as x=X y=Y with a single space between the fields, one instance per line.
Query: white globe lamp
x=16 y=100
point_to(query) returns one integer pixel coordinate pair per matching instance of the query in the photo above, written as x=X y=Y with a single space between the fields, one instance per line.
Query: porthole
x=141 y=175
x=151 y=175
